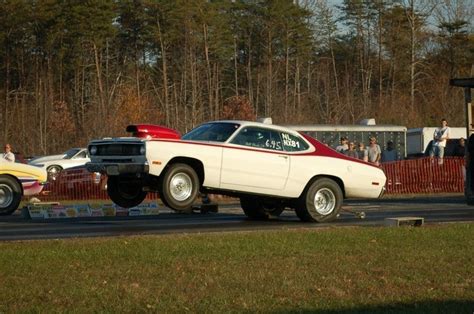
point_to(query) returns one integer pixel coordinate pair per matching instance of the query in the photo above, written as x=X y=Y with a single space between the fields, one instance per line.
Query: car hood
x=40 y=160
x=21 y=170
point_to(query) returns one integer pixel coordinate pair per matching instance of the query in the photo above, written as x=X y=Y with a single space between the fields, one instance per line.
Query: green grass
x=353 y=269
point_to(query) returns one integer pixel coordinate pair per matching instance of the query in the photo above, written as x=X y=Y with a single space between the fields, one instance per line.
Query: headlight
x=142 y=150
x=93 y=150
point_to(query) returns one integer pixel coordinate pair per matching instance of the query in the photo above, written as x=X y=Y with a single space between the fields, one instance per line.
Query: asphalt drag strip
x=230 y=218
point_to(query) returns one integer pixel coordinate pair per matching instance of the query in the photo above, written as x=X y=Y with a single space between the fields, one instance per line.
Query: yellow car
x=16 y=180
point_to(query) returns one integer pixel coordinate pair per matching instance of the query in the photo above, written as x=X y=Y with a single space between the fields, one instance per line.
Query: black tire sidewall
x=307 y=212
x=166 y=196
x=256 y=208
x=253 y=208
x=17 y=194
x=117 y=196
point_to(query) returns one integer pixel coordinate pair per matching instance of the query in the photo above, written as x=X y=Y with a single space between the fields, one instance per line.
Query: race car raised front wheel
x=125 y=192
x=179 y=187
x=10 y=195
x=321 y=201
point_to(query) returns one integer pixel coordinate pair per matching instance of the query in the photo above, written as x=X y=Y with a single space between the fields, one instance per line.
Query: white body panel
x=78 y=159
x=163 y=151
x=248 y=170
x=65 y=163
x=262 y=172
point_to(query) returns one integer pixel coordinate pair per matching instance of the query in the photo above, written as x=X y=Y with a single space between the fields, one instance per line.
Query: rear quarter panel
x=359 y=179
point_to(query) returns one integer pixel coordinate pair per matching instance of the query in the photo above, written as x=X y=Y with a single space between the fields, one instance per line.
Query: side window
x=82 y=154
x=292 y=143
x=258 y=137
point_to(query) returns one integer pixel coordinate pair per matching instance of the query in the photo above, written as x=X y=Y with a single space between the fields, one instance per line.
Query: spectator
x=374 y=151
x=440 y=137
x=343 y=147
x=460 y=149
x=390 y=153
x=352 y=152
x=362 y=152
x=8 y=155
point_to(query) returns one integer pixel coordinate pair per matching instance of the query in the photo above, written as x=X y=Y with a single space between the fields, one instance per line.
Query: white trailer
x=419 y=138
x=331 y=133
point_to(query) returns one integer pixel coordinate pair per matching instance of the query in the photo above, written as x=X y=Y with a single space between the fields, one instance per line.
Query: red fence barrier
x=78 y=184
x=425 y=175
x=413 y=176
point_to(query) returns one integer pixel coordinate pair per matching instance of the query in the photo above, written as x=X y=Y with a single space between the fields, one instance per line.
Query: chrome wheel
x=324 y=201
x=181 y=186
x=53 y=172
x=6 y=195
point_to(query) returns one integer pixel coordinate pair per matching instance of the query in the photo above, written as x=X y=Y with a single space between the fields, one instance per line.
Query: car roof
x=244 y=123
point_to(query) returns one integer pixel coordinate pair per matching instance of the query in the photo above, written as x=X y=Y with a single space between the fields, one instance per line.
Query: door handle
x=283 y=156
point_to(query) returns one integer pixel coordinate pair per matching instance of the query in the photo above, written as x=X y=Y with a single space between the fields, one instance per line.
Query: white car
x=54 y=164
x=271 y=168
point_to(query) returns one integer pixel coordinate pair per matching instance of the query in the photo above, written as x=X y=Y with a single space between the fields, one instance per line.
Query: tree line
x=76 y=70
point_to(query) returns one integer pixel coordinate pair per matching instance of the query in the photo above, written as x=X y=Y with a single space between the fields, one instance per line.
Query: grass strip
x=353 y=269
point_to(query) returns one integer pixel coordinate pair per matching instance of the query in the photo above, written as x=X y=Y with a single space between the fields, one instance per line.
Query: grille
x=118 y=150
x=127 y=160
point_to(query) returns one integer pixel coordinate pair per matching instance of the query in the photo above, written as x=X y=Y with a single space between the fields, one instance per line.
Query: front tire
x=321 y=201
x=179 y=187
x=54 y=171
x=125 y=192
x=10 y=195
x=256 y=208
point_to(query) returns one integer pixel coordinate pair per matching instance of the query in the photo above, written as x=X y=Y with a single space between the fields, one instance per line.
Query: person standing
x=352 y=152
x=362 y=152
x=8 y=155
x=390 y=153
x=344 y=146
x=374 y=151
x=440 y=137
x=460 y=149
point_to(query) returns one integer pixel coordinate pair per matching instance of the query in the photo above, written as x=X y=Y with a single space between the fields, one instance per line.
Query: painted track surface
x=231 y=218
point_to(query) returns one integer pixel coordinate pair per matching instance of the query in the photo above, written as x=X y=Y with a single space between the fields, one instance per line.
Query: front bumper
x=115 y=169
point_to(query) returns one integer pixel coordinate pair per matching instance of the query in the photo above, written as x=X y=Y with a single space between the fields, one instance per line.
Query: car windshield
x=70 y=153
x=211 y=132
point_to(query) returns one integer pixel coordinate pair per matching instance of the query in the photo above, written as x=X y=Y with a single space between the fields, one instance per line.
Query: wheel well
x=194 y=163
x=58 y=166
x=335 y=179
x=16 y=179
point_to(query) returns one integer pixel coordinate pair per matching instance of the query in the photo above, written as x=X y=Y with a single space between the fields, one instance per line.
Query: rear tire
x=10 y=195
x=125 y=192
x=256 y=208
x=321 y=201
x=179 y=187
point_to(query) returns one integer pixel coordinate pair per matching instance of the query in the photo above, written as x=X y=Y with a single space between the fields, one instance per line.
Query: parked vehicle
x=55 y=163
x=419 y=140
x=270 y=168
x=17 y=180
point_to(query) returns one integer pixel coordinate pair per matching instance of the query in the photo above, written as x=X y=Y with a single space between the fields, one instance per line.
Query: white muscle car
x=270 y=168
x=54 y=164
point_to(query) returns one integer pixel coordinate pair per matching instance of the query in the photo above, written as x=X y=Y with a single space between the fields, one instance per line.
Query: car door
x=254 y=161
